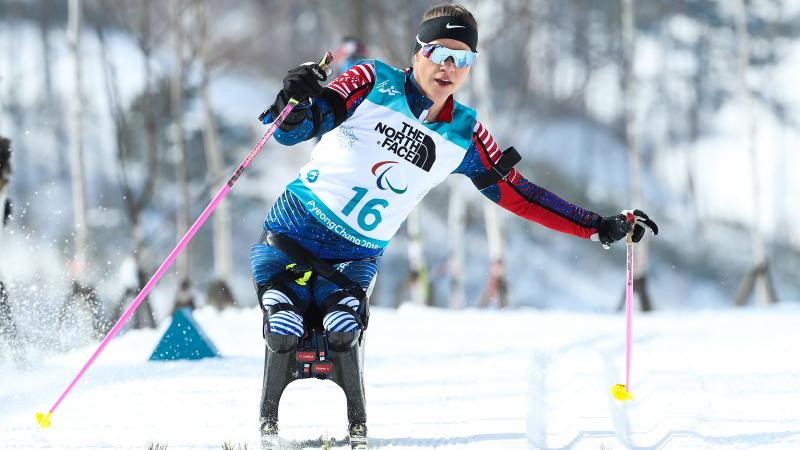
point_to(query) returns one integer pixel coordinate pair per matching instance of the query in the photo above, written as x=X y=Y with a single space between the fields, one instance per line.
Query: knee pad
x=343 y=341
x=281 y=343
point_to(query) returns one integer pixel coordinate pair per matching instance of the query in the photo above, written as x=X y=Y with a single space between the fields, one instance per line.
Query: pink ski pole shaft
x=628 y=312
x=44 y=419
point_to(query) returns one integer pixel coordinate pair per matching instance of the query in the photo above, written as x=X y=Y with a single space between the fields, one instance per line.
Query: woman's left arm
x=520 y=196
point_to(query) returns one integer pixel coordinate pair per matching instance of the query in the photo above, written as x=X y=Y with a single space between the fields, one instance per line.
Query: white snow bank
x=435 y=378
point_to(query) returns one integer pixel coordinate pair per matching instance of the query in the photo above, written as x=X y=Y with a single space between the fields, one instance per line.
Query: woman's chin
x=440 y=91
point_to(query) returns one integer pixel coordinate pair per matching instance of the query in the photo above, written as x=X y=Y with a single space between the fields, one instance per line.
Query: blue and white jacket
x=317 y=220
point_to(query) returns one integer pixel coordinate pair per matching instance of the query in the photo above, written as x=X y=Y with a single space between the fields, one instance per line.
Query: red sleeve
x=528 y=200
x=354 y=85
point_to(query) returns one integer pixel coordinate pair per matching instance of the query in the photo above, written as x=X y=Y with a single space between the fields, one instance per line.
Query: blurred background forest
x=124 y=117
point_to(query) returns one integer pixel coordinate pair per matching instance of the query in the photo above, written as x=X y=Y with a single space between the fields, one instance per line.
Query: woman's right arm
x=335 y=104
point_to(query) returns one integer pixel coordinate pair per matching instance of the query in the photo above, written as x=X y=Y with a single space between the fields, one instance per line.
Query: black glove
x=301 y=84
x=614 y=228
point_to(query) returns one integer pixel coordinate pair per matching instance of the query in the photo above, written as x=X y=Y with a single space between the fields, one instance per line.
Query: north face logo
x=410 y=144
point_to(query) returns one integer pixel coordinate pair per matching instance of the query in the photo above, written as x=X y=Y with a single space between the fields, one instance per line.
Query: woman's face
x=439 y=81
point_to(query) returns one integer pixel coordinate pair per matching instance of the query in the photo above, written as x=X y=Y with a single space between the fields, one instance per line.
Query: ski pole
x=44 y=419
x=622 y=391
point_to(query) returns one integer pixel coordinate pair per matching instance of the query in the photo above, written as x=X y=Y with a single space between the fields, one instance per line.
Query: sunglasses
x=438 y=54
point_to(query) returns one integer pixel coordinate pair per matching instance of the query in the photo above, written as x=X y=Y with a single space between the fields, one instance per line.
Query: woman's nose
x=448 y=64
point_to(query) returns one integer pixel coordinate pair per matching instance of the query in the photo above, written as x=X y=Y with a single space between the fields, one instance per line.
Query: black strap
x=283 y=278
x=322 y=268
x=337 y=103
x=319 y=266
x=332 y=304
x=350 y=311
x=278 y=281
x=315 y=119
x=499 y=170
x=334 y=298
x=284 y=307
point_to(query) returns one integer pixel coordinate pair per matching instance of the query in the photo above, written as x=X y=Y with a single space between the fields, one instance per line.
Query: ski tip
x=43 y=419
x=621 y=393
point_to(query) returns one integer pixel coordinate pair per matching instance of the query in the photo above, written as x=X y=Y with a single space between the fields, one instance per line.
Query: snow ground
x=471 y=379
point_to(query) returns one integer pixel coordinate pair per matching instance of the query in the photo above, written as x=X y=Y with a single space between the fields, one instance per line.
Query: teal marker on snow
x=184 y=339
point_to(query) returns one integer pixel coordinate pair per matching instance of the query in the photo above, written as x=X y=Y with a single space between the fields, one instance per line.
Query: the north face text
x=410 y=144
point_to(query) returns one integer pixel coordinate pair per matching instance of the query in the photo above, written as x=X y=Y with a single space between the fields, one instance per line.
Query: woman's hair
x=447 y=10
x=450 y=10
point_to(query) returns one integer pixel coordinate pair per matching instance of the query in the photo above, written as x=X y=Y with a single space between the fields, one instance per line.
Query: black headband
x=448 y=27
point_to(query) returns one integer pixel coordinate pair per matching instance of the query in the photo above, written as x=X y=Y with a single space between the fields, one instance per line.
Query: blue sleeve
x=305 y=130
x=471 y=166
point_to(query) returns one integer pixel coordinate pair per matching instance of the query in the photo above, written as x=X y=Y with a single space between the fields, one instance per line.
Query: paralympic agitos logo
x=409 y=143
x=383 y=181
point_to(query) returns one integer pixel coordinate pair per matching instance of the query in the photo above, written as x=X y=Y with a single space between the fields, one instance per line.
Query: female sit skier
x=388 y=136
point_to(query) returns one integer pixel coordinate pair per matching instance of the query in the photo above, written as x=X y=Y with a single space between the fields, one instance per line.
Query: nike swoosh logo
x=448 y=26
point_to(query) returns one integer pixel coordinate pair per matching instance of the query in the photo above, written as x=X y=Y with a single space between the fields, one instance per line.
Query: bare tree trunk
x=550 y=57
x=82 y=293
x=358 y=12
x=76 y=117
x=143 y=316
x=2 y=100
x=389 y=35
x=496 y=283
x=45 y=10
x=456 y=216
x=758 y=276
x=8 y=77
x=394 y=42
x=219 y=293
x=184 y=295
x=699 y=84
x=533 y=21
x=418 y=271
x=632 y=142
x=50 y=105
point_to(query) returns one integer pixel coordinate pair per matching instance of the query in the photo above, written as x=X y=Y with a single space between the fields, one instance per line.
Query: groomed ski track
x=472 y=379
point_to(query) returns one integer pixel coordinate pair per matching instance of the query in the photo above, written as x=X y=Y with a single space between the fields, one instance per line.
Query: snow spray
x=44 y=419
